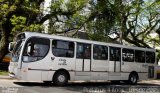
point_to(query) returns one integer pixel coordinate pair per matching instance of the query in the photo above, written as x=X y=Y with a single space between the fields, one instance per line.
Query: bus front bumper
x=12 y=75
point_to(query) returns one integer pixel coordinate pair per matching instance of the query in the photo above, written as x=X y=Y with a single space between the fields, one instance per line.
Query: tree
x=89 y=16
x=63 y=23
x=101 y=20
x=132 y=20
x=16 y=16
x=28 y=15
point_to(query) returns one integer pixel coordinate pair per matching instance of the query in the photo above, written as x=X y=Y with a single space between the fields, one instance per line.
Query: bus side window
x=128 y=55
x=62 y=48
x=83 y=51
x=80 y=50
x=115 y=54
x=100 y=52
x=150 y=57
x=87 y=52
x=139 y=56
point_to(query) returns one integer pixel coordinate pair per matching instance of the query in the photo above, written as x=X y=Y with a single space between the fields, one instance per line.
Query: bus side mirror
x=29 y=49
x=11 y=46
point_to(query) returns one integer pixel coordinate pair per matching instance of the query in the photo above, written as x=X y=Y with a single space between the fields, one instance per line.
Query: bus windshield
x=16 y=51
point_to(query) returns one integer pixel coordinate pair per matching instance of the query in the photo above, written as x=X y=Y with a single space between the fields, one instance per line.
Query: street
x=14 y=86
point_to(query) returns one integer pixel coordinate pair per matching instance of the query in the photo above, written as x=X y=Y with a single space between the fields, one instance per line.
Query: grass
x=4 y=73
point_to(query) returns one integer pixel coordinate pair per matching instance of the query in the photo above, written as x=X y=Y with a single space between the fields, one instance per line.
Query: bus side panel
x=99 y=76
x=128 y=67
x=50 y=75
x=124 y=76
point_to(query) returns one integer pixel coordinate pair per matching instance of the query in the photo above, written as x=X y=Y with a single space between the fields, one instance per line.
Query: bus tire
x=60 y=78
x=133 y=78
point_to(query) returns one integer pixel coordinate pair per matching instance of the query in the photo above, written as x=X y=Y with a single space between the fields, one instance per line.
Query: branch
x=157 y=22
x=39 y=1
x=136 y=40
x=77 y=30
x=48 y=16
x=92 y=16
x=132 y=41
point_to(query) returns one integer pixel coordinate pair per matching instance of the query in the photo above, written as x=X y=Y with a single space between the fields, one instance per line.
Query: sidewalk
x=5 y=77
x=157 y=82
x=6 y=82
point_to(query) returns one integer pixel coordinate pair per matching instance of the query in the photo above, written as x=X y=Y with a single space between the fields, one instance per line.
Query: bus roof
x=31 y=34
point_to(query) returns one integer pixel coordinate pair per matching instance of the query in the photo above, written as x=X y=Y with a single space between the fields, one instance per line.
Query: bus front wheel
x=133 y=78
x=60 y=78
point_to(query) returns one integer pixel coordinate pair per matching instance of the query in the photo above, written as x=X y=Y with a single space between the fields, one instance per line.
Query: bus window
x=128 y=55
x=150 y=57
x=100 y=52
x=139 y=56
x=83 y=51
x=39 y=49
x=16 y=54
x=63 y=48
x=80 y=50
x=115 y=54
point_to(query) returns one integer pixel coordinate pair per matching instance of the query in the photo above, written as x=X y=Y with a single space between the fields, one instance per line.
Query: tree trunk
x=3 y=44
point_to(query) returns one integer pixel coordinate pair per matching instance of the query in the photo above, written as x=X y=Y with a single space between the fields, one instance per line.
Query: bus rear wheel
x=133 y=78
x=60 y=78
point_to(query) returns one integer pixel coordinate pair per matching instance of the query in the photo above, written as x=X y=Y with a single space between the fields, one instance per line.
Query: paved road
x=14 y=86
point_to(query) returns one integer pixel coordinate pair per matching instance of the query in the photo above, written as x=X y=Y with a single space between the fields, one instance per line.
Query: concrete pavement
x=156 y=82
x=6 y=81
x=5 y=77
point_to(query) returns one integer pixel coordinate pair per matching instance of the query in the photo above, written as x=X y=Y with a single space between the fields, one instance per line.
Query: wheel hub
x=133 y=79
x=61 y=78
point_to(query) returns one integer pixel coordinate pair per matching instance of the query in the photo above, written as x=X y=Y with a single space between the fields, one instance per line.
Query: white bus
x=57 y=59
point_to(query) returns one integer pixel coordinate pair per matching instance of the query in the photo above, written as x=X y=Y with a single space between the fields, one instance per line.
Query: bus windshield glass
x=16 y=51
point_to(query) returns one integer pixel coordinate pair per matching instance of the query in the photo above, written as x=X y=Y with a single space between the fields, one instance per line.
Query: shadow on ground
x=80 y=84
x=90 y=86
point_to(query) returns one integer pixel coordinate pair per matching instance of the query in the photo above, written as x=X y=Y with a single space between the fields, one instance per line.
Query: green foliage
x=75 y=4
x=135 y=19
x=69 y=15
x=17 y=16
x=34 y=28
x=103 y=19
x=57 y=5
x=5 y=73
x=98 y=37
x=18 y=22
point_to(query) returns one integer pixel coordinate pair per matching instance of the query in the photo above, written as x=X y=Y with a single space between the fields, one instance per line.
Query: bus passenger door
x=83 y=60
x=115 y=62
x=150 y=63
